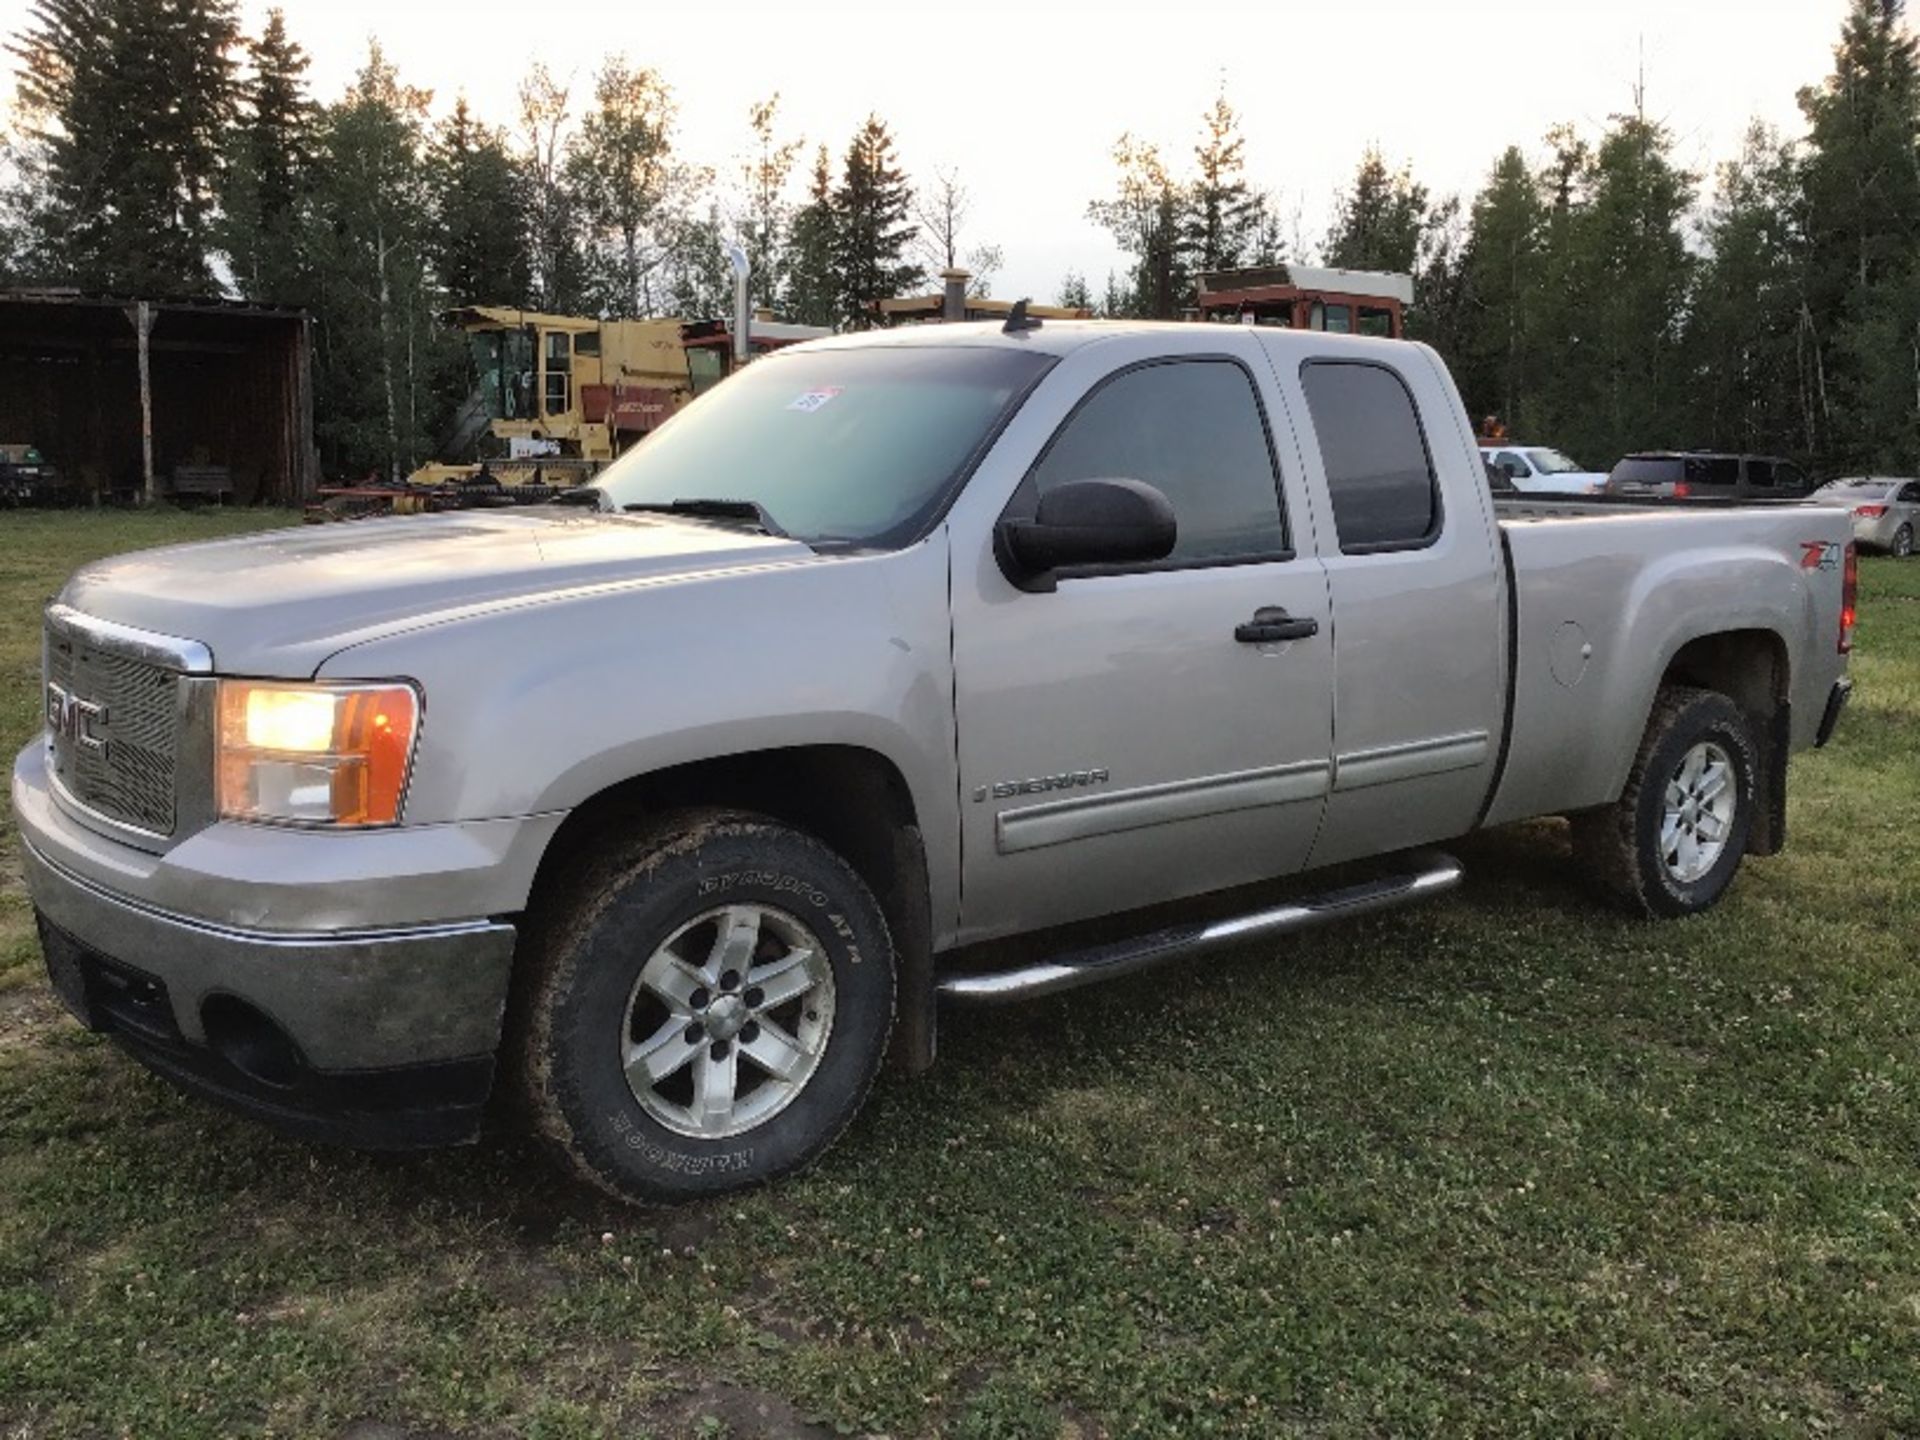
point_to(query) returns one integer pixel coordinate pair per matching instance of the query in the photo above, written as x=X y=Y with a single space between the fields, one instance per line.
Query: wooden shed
x=134 y=398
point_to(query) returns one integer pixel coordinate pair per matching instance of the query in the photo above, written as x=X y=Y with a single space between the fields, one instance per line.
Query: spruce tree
x=1743 y=325
x=1223 y=216
x=1380 y=221
x=268 y=172
x=387 y=367
x=812 y=289
x=477 y=243
x=1502 y=265
x=1862 y=215
x=125 y=104
x=1614 y=286
x=872 y=226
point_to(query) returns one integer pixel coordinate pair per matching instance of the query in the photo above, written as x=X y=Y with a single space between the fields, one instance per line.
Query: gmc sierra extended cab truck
x=681 y=807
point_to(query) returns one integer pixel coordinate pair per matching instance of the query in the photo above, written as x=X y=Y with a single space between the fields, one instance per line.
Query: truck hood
x=279 y=603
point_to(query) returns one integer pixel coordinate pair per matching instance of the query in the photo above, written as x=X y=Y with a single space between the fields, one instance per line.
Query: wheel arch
x=1752 y=667
x=853 y=799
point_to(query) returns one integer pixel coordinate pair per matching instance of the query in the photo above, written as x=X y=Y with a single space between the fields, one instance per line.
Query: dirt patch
x=27 y=1012
x=684 y=1231
x=739 y=1410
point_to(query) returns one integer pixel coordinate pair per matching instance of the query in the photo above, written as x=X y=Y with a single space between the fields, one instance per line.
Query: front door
x=1138 y=735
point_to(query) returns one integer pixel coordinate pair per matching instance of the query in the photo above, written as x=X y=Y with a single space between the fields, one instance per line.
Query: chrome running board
x=1432 y=874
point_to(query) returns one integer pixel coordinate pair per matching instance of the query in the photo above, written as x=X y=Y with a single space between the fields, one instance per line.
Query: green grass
x=1506 y=1165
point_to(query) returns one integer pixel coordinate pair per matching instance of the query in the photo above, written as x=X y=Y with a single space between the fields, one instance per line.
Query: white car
x=1536 y=470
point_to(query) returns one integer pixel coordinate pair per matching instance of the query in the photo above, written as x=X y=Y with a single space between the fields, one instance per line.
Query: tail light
x=1681 y=490
x=1849 y=594
x=1870 y=512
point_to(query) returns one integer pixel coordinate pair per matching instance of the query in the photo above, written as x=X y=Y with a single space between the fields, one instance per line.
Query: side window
x=1792 y=480
x=1515 y=467
x=1194 y=430
x=1760 y=473
x=1384 y=495
x=1713 y=470
x=1910 y=494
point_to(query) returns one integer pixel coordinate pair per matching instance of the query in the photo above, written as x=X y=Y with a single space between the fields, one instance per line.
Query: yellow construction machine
x=555 y=397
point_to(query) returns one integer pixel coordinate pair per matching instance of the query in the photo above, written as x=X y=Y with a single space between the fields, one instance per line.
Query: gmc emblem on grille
x=71 y=718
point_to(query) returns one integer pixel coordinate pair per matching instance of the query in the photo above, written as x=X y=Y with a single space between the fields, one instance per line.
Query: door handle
x=1271 y=623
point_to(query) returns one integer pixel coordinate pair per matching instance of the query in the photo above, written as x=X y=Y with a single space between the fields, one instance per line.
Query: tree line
x=1592 y=293
x=157 y=150
x=1595 y=295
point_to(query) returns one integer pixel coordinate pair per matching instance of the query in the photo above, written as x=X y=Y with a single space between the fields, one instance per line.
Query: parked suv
x=1886 y=513
x=1683 y=474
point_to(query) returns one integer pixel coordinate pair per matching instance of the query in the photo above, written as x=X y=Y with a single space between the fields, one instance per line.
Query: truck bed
x=1604 y=593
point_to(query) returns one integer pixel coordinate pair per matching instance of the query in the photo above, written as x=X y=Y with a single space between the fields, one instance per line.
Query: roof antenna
x=1018 y=319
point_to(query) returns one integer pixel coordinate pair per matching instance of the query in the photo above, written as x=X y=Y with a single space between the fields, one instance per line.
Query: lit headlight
x=315 y=754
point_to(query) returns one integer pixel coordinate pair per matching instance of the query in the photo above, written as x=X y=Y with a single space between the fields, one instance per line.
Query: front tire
x=1672 y=842
x=708 y=1006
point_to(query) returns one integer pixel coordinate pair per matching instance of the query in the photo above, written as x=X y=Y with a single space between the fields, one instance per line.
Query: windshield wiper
x=706 y=509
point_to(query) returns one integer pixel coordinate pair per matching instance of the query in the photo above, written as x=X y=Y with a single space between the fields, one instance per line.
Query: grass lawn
x=1508 y=1164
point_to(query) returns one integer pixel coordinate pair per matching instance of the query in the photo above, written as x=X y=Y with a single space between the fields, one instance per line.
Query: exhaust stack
x=742 y=305
x=953 y=295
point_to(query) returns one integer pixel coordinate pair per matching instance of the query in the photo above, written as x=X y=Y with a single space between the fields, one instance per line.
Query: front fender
x=538 y=708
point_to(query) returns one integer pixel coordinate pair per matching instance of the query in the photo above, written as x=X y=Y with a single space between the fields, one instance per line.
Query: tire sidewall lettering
x=765 y=880
x=678 y=1162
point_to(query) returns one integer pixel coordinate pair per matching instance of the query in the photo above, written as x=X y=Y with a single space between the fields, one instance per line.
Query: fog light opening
x=250 y=1042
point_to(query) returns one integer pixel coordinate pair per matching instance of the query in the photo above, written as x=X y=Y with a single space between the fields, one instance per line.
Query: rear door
x=1419 y=624
x=1123 y=740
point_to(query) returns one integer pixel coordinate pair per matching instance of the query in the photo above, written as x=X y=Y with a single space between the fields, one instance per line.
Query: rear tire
x=753 y=934
x=1902 y=545
x=1672 y=842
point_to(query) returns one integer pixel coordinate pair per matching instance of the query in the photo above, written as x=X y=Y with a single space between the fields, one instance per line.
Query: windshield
x=859 y=447
x=1552 y=462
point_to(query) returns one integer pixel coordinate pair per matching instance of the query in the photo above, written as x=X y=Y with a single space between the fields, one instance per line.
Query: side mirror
x=1086 y=522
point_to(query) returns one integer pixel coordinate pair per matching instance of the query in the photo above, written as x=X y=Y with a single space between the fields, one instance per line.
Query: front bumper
x=301 y=998
x=382 y=1040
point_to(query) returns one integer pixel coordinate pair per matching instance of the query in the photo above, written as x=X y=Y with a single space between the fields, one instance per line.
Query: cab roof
x=1062 y=337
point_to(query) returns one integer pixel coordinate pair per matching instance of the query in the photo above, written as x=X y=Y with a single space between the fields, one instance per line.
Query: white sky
x=1027 y=99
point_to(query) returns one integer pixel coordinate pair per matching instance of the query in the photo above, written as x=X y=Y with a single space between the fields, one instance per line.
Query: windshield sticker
x=813 y=399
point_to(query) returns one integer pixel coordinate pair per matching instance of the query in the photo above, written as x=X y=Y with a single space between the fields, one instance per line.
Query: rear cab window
x=1380 y=474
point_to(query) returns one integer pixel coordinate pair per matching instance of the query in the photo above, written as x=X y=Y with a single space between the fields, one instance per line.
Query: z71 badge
x=1065 y=780
x=1819 y=555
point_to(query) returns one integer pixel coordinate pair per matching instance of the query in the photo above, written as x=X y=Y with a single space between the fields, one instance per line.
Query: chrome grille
x=127 y=772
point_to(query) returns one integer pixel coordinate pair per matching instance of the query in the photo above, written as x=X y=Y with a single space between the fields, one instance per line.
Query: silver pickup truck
x=682 y=807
